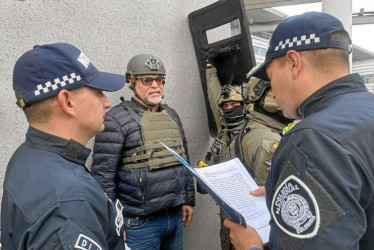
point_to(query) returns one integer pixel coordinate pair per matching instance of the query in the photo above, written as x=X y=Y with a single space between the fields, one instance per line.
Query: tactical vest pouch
x=220 y=150
x=156 y=127
x=246 y=128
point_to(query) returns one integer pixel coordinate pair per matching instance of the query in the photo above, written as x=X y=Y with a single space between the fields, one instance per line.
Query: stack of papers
x=229 y=184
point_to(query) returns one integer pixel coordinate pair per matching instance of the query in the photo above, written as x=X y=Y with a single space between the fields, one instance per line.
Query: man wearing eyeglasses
x=156 y=191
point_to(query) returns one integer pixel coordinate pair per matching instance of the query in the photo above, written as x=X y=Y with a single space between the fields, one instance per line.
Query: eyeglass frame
x=161 y=77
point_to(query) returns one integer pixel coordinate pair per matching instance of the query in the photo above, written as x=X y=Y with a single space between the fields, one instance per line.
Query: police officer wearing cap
x=50 y=200
x=157 y=192
x=320 y=190
x=247 y=129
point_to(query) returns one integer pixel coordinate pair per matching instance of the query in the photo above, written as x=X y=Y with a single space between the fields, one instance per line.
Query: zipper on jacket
x=141 y=185
x=179 y=192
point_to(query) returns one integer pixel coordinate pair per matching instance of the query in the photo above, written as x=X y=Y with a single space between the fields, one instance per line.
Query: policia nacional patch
x=295 y=209
x=301 y=207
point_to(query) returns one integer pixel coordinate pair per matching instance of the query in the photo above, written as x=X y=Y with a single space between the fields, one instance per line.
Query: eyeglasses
x=147 y=81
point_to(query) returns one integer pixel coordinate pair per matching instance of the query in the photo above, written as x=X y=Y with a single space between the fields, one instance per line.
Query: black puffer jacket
x=142 y=192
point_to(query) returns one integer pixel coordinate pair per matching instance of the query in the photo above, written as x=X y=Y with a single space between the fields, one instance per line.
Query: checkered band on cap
x=297 y=41
x=45 y=70
x=57 y=83
x=308 y=31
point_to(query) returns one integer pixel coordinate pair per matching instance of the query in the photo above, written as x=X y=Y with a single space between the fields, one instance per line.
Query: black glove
x=213 y=53
x=209 y=54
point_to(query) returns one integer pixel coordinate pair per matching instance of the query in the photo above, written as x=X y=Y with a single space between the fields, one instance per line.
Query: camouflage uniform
x=261 y=137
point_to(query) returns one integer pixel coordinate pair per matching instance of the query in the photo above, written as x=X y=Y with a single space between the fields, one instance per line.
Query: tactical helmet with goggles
x=230 y=94
x=144 y=64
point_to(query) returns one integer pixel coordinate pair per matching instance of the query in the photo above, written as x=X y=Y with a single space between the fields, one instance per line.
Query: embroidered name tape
x=85 y=242
x=217 y=146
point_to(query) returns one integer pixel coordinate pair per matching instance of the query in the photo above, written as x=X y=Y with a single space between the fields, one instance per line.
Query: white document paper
x=233 y=183
x=229 y=184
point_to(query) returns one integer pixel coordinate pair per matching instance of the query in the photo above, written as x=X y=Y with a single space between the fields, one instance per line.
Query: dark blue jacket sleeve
x=335 y=188
x=66 y=225
x=107 y=155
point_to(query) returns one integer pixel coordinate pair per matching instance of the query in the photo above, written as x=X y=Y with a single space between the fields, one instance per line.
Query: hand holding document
x=229 y=184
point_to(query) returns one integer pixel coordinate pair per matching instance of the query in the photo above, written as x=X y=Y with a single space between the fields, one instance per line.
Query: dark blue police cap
x=42 y=72
x=308 y=31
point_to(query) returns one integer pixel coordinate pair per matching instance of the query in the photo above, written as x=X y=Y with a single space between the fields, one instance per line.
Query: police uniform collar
x=347 y=84
x=68 y=149
x=159 y=109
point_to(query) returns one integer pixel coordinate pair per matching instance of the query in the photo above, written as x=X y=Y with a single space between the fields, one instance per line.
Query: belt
x=169 y=210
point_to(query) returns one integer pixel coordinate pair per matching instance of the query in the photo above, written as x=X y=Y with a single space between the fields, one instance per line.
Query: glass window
x=224 y=31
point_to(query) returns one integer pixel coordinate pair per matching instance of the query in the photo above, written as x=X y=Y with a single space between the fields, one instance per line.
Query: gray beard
x=147 y=101
x=153 y=102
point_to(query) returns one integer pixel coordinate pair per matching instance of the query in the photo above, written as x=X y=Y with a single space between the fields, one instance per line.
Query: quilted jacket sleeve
x=107 y=155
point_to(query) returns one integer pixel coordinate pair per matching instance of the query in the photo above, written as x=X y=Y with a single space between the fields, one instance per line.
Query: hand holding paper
x=229 y=184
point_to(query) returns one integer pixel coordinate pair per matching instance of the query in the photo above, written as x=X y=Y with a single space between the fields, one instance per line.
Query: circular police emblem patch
x=295 y=209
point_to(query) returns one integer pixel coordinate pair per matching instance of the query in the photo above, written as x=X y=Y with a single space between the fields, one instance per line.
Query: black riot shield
x=223 y=26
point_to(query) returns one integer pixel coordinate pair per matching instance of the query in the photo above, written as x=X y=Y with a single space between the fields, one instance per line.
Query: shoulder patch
x=295 y=209
x=301 y=208
x=85 y=242
x=273 y=148
x=217 y=146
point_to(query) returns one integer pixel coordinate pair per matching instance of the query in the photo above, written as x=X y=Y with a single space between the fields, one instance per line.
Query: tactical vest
x=155 y=127
x=224 y=149
x=221 y=148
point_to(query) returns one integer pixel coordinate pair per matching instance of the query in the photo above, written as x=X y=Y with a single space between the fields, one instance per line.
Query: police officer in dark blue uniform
x=320 y=190
x=50 y=200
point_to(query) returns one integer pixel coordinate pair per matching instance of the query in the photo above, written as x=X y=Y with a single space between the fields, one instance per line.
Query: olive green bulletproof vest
x=220 y=149
x=156 y=127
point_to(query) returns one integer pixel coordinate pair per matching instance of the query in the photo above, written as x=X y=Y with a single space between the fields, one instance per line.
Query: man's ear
x=294 y=62
x=66 y=102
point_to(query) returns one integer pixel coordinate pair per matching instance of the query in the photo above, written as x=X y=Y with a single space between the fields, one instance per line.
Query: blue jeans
x=163 y=230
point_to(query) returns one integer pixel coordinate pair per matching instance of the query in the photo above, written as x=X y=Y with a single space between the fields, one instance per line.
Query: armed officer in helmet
x=247 y=129
x=156 y=191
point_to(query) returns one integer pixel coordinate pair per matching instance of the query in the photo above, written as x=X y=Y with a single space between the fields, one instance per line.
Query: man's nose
x=107 y=102
x=154 y=83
